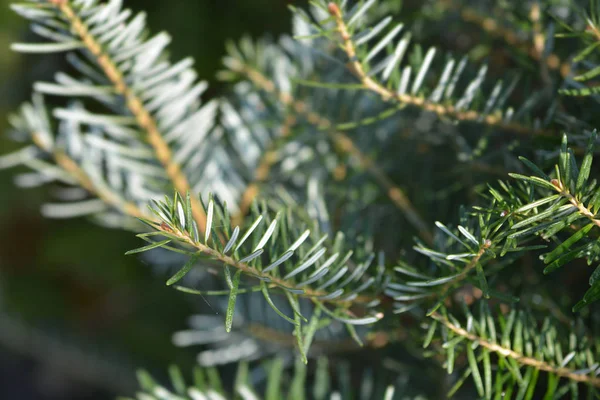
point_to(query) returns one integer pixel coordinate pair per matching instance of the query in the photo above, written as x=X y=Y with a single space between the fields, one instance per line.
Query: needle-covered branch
x=523 y=348
x=461 y=109
x=154 y=112
x=277 y=254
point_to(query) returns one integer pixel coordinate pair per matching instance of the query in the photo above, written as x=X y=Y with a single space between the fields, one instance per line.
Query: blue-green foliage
x=344 y=188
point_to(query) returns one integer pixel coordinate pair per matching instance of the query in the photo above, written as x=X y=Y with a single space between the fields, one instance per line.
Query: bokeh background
x=77 y=317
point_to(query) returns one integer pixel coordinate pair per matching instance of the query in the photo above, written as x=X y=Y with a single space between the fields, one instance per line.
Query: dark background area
x=76 y=315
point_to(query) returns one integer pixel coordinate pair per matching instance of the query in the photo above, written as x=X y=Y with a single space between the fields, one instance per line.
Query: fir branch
x=542 y=365
x=246 y=268
x=356 y=67
x=581 y=207
x=72 y=168
x=265 y=253
x=142 y=116
x=570 y=183
x=316 y=283
x=343 y=141
x=557 y=204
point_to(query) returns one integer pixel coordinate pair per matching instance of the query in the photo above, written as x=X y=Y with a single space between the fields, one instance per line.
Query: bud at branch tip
x=334 y=10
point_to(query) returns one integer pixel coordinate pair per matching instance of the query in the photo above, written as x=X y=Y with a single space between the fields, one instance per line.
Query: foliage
x=278 y=384
x=308 y=193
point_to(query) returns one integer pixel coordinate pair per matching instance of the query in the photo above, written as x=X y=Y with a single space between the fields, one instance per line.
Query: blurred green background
x=73 y=309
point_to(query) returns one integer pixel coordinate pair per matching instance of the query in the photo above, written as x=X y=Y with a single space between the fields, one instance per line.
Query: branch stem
x=518 y=357
x=273 y=282
x=583 y=210
x=72 y=168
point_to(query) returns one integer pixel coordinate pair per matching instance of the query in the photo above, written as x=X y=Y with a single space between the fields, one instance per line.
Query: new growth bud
x=334 y=10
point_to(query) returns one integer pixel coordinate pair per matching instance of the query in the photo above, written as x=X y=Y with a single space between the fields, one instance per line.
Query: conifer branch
x=355 y=66
x=518 y=357
x=274 y=282
x=582 y=208
x=152 y=132
x=72 y=168
x=345 y=143
x=135 y=105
